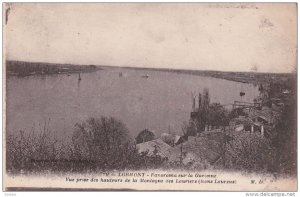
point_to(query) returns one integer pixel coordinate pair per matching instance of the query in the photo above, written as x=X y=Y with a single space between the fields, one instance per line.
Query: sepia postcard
x=150 y=97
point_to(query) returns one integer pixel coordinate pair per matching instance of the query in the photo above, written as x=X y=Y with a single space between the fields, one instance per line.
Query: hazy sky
x=230 y=37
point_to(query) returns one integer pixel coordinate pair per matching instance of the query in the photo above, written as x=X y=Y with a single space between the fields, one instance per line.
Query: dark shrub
x=104 y=142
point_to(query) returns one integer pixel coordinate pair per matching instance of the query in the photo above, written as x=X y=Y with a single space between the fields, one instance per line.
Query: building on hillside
x=154 y=147
x=172 y=139
x=196 y=151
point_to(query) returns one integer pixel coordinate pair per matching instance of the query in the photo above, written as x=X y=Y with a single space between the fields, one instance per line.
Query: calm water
x=160 y=102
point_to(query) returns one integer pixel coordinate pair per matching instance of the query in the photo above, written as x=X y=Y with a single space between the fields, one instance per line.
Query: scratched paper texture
x=150 y=96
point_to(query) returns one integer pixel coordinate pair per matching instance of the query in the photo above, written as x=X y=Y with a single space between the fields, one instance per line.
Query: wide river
x=160 y=103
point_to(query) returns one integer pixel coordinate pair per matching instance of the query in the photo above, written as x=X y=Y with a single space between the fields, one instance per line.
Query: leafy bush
x=217 y=115
x=250 y=152
x=29 y=151
x=102 y=141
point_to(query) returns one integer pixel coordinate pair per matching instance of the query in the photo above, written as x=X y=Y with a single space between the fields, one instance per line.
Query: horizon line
x=154 y=68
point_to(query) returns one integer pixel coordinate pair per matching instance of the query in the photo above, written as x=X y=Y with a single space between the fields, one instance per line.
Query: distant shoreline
x=23 y=69
x=255 y=78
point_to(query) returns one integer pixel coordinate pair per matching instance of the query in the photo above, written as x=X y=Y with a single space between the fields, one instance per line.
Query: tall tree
x=104 y=141
x=217 y=116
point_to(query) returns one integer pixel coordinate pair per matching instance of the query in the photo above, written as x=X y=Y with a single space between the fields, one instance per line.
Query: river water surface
x=159 y=103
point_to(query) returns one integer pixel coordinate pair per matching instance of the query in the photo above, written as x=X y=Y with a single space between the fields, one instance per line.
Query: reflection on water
x=157 y=102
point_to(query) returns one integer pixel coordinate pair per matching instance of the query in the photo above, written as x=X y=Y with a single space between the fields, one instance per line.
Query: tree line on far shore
x=22 y=69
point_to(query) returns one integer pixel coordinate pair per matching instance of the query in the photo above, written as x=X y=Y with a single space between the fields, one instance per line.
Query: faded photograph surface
x=150 y=96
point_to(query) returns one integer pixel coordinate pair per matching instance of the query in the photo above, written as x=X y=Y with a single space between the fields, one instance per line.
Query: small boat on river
x=145 y=76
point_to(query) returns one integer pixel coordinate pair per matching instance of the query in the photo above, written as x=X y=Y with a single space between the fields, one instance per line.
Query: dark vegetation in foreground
x=22 y=69
x=97 y=144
